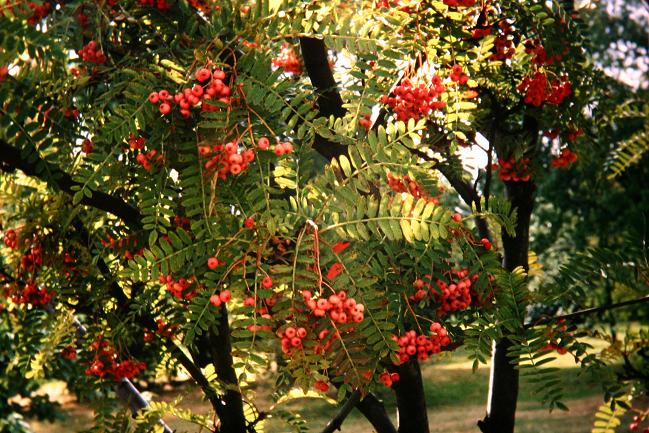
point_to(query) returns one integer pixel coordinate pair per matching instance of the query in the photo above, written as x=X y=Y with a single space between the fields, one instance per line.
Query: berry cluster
x=86 y=146
x=226 y=159
x=406 y=184
x=389 y=378
x=178 y=288
x=288 y=60
x=69 y=352
x=223 y=297
x=637 y=420
x=32 y=294
x=462 y=3
x=105 y=363
x=163 y=330
x=32 y=259
x=128 y=244
x=513 y=170
x=573 y=134
x=90 y=54
x=538 y=89
x=11 y=238
x=365 y=122
x=197 y=95
x=321 y=385
x=503 y=44
x=455 y=295
x=422 y=346
x=539 y=55
x=566 y=158
x=149 y=159
x=135 y=143
x=38 y=12
x=161 y=5
x=457 y=75
x=415 y=102
x=291 y=339
x=339 y=307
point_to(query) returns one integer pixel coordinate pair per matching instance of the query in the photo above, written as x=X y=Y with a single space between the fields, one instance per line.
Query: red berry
x=485 y=243
x=225 y=295
x=321 y=386
x=457 y=217
x=154 y=98
x=212 y=263
x=249 y=223
x=215 y=300
x=267 y=282
x=203 y=74
x=263 y=143
x=165 y=108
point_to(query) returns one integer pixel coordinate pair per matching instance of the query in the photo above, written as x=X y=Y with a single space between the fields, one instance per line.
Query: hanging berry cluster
x=150 y=159
x=291 y=339
x=566 y=158
x=11 y=238
x=32 y=294
x=287 y=60
x=422 y=346
x=539 y=55
x=162 y=329
x=414 y=102
x=406 y=184
x=178 y=289
x=226 y=159
x=503 y=44
x=513 y=169
x=161 y=5
x=128 y=244
x=389 y=378
x=135 y=143
x=90 y=54
x=213 y=88
x=456 y=294
x=461 y=3
x=457 y=75
x=105 y=363
x=538 y=89
x=339 y=307
x=221 y=298
x=38 y=12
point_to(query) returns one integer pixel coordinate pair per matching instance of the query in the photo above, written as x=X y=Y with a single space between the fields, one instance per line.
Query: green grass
x=456 y=399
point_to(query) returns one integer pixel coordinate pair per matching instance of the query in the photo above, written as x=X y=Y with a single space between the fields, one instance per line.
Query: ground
x=456 y=399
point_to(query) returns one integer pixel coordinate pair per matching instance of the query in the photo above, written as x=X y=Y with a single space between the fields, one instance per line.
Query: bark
x=231 y=415
x=503 y=383
x=413 y=416
x=11 y=159
x=374 y=411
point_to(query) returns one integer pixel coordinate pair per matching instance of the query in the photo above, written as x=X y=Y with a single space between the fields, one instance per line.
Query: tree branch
x=337 y=421
x=12 y=159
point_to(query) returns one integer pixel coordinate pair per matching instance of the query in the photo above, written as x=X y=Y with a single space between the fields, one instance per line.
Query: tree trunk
x=411 y=402
x=503 y=382
x=232 y=417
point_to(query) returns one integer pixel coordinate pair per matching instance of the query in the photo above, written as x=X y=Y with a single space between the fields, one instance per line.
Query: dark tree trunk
x=503 y=382
x=374 y=411
x=231 y=416
x=411 y=403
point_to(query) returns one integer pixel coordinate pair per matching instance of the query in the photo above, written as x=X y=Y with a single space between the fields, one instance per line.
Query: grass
x=455 y=396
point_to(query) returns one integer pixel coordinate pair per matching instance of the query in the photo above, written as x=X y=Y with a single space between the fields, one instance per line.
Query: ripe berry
x=163 y=94
x=267 y=282
x=215 y=300
x=485 y=243
x=218 y=75
x=249 y=223
x=263 y=143
x=212 y=263
x=203 y=74
x=457 y=217
x=225 y=295
x=197 y=90
x=321 y=386
x=154 y=98
x=165 y=108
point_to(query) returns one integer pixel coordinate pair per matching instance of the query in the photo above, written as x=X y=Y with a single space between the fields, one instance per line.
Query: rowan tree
x=213 y=187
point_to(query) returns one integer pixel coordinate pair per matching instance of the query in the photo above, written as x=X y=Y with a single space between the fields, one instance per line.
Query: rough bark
x=503 y=383
x=231 y=416
x=413 y=416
